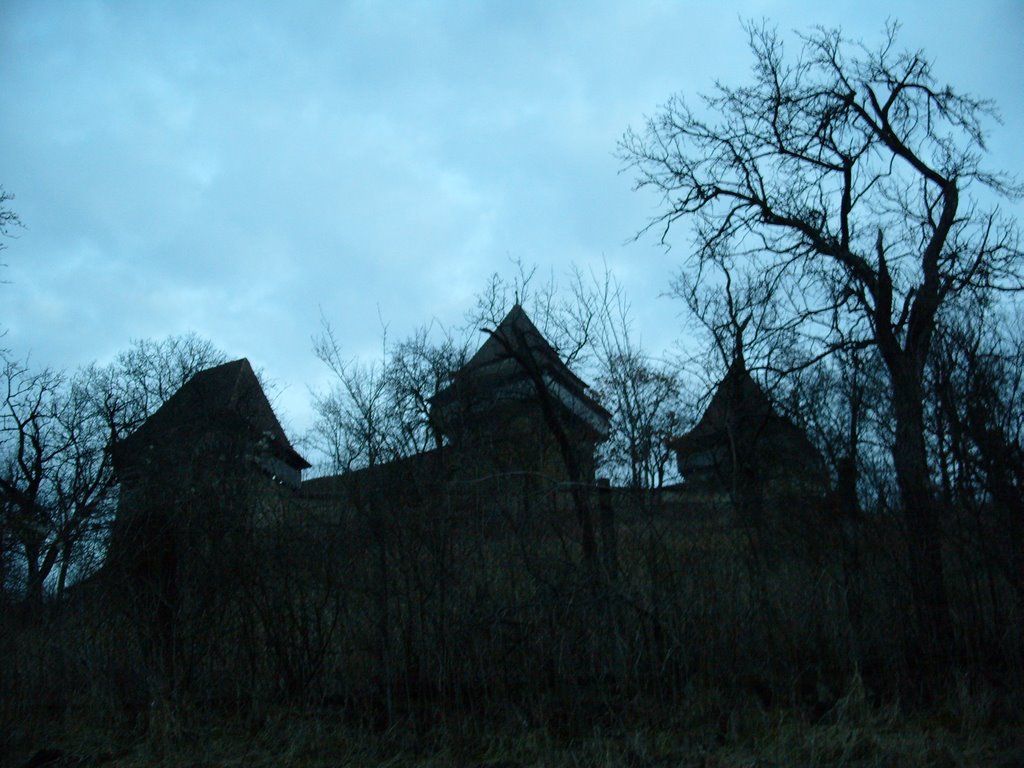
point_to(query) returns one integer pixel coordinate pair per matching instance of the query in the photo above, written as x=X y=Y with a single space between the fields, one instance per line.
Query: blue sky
x=239 y=168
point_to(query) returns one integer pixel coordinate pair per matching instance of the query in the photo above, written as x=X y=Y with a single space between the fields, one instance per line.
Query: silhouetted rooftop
x=227 y=395
x=739 y=408
x=499 y=371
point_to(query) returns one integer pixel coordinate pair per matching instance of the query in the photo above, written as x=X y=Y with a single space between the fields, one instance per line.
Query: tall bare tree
x=56 y=474
x=32 y=444
x=847 y=171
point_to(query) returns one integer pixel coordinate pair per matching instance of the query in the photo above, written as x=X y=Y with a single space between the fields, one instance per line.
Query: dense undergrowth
x=436 y=638
x=962 y=732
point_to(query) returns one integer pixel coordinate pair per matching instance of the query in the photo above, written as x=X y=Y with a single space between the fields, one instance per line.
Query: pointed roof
x=738 y=405
x=516 y=336
x=227 y=395
x=498 y=369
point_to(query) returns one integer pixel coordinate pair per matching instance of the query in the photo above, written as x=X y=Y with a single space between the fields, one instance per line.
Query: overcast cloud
x=234 y=168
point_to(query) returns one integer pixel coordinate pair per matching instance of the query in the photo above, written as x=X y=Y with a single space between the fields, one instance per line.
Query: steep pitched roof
x=227 y=395
x=498 y=369
x=517 y=335
x=739 y=407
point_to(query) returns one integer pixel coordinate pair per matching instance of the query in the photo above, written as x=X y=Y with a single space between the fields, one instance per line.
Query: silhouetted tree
x=844 y=174
x=378 y=412
x=641 y=393
x=56 y=476
x=977 y=427
x=57 y=431
x=8 y=218
x=142 y=378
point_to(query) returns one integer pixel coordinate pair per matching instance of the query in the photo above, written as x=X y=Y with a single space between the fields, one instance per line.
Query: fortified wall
x=519 y=433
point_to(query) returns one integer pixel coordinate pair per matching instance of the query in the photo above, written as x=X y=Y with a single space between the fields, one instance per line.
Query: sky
x=244 y=169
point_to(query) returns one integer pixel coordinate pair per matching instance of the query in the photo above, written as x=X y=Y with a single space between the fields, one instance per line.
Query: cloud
x=234 y=168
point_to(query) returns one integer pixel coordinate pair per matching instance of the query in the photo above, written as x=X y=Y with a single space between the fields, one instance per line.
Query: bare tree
x=845 y=172
x=376 y=412
x=83 y=485
x=144 y=376
x=57 y=435
x=56 y=477
x=8 y=218
x=641 y=393
x=977 y=426
x=419 y=369
x=32 y=444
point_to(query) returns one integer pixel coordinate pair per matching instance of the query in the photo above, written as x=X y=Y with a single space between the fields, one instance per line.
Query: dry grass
x=967 y=732
x=320 y=745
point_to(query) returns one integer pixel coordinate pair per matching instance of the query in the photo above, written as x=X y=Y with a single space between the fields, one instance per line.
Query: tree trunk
x=34 y=576
x=934 y=634
x=65 y=566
